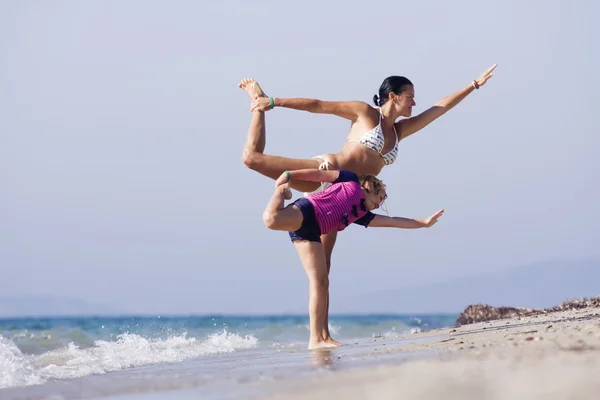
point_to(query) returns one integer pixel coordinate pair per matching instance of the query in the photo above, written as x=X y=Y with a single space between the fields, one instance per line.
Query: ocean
x=99 y=357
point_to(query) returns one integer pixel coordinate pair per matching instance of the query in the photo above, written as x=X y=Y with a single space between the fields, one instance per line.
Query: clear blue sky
x=122 y=128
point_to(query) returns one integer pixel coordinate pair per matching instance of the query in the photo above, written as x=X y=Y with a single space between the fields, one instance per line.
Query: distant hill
x=36 y=306
x=544 y=284
x=540 y=285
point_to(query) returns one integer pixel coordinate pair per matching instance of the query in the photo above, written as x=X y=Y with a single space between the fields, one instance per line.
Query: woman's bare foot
x=333 y=342
x=252 y=88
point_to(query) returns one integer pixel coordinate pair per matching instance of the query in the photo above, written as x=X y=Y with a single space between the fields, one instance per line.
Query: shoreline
x=547 y=356
x=552 y=355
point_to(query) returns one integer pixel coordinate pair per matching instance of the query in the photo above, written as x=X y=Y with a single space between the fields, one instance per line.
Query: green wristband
x=271 y=103
x=288 y=175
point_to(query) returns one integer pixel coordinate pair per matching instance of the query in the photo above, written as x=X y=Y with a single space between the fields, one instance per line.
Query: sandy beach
x=552 y=356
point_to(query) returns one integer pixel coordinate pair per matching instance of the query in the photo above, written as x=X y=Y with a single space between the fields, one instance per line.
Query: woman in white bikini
x=372 y=142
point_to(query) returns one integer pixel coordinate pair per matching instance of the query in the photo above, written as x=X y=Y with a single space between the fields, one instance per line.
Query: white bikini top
x=375 y=141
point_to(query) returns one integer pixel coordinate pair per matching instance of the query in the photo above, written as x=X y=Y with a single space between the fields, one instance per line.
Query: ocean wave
x=16 y=368
x=129 y=350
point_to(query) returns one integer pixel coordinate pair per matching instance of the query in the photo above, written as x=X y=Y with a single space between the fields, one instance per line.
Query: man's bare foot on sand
x=320 y=345
x=252 y=88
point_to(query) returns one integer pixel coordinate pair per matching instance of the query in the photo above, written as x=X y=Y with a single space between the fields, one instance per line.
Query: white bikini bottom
x=327 y=166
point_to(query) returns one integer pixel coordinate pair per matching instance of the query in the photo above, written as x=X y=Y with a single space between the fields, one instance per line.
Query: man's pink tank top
x=340 y=205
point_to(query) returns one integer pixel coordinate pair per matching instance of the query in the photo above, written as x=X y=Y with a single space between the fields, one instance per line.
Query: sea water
x=91 y=357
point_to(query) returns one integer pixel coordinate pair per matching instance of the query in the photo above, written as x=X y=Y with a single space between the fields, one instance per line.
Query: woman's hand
x=487 y=74
x=260 y=104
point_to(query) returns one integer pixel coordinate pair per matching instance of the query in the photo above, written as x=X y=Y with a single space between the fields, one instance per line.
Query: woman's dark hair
x=391 y=84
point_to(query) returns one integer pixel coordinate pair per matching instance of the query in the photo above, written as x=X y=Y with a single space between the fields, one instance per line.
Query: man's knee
x=269 y=219
x=321 y=282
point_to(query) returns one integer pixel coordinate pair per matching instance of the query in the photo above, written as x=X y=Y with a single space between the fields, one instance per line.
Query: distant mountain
x=544 y=284
x=37 y=306
x=540 y=285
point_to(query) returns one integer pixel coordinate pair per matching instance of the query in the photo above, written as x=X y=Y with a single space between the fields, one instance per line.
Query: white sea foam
x=15 y=367
x=129 y=350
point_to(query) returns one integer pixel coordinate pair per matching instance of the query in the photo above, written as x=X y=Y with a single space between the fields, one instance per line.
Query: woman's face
x=405 y=101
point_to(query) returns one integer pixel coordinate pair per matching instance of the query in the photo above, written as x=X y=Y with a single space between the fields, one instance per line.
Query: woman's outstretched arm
x=408 y=126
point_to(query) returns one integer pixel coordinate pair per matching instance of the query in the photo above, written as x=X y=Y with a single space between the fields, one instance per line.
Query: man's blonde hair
x=371 y=183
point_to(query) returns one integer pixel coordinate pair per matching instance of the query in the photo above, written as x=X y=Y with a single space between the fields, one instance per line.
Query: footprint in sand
x=252 y=88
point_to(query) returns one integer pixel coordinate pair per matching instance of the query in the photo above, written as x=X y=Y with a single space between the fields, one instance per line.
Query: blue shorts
x=310 y=228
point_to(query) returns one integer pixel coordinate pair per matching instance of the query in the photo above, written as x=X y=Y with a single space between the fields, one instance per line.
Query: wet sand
x=552 y=356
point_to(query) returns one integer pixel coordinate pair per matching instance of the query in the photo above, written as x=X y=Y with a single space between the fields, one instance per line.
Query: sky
x=122 y=128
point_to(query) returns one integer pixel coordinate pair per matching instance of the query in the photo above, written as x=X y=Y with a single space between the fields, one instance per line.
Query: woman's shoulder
x=365 y=112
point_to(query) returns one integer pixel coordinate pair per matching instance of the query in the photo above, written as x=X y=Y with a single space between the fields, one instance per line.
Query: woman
x=372 y=142
x=349 y=199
